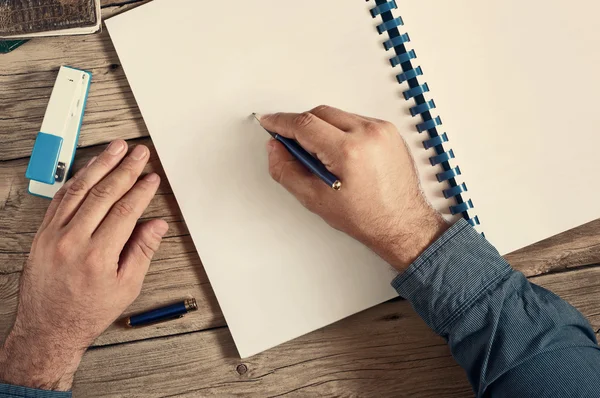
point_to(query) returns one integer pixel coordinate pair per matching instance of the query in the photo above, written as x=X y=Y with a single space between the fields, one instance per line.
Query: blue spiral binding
x=415 y=91
x=402 y=77
x=387 y=25
x=422 y=107
x=435 y=141
x=425 y=106
x=402 y=58
x=391 y=5
x=429 y=124
x=442 y=157
x=453 y=191
x=447 y=175
x=396 y=41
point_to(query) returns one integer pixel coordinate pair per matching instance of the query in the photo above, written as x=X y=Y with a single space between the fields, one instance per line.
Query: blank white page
x=516 y=84
x=198 y=70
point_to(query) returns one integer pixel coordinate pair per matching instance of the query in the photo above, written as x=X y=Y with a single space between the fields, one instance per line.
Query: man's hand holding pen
x=380 y=204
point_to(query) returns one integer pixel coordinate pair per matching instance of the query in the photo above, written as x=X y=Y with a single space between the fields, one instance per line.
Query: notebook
x=496 y=101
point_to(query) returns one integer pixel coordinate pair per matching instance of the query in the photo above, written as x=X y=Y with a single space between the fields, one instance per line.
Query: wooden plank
x=573 y=248
x=384 y=351
x=27 y=76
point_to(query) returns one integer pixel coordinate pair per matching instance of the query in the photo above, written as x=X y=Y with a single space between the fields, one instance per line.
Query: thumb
x=139 y=250
x=292 y=175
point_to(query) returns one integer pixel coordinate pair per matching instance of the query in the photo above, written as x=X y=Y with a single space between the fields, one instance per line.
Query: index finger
x=314 y=134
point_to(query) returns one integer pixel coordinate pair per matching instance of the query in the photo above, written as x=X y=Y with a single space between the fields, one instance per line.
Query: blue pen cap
x=44 y=158
x=164 y=313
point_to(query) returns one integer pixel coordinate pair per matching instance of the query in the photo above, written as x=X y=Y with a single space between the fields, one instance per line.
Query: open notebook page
x=198 y=70
x=516 y=85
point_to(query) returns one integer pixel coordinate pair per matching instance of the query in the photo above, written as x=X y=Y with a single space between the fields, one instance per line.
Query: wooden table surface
x=384 y=351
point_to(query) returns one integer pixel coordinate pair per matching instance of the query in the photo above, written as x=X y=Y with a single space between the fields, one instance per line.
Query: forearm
x=34 y=366
x=33 y=363
x=497 y=323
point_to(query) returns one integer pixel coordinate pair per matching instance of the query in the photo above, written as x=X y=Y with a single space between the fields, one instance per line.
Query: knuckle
x=77 y=188
x=320 y=109
x=64 y=247
x=387 y=127
x=303 y=120
x=129 y=170
x=103 y=162
x=274 y=120
x=374 y=129
x=351 y=150
x=276 y=170
x=60 y=194
x=273 y=117
x=123 y=208
x=102 y=191
x=95 y=258
x=148 y=245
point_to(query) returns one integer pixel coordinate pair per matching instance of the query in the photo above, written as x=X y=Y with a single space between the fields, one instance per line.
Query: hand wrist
x=36 y=362
x=402 y=247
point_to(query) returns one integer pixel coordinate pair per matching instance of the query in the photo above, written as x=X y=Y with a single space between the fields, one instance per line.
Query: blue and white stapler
x=55 y=144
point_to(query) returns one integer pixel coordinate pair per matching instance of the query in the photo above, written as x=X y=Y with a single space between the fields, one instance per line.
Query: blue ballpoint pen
x=308 y=160
x=172 y=311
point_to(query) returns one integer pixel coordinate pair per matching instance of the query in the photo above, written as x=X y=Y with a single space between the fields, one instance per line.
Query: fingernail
x=116 y=147
x=92 y=160
x=139 y=152
x=161 y=228
x=152 y=177
x=270 y=145
x=263 y=117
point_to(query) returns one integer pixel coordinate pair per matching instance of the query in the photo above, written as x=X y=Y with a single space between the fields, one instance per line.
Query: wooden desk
x=385 y=351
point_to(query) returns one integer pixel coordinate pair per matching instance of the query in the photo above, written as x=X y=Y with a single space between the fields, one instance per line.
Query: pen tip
x=256 y=116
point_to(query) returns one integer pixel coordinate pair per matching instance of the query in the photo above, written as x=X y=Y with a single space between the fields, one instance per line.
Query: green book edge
x=7 y=46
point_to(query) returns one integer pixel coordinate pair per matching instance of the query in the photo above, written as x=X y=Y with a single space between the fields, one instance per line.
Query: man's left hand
x=87 y=264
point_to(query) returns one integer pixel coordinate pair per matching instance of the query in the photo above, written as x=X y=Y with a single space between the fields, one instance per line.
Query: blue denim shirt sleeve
x=512 y=337
x=10 y=391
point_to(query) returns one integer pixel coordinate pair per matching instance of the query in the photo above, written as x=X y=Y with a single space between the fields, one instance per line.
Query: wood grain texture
x=387 y=351
x=175 y=273
x=573 y=248
x=27 y=76
x=384 y=351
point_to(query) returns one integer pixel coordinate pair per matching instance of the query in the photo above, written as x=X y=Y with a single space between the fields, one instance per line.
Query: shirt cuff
x=451 y=275
x=11 y=391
